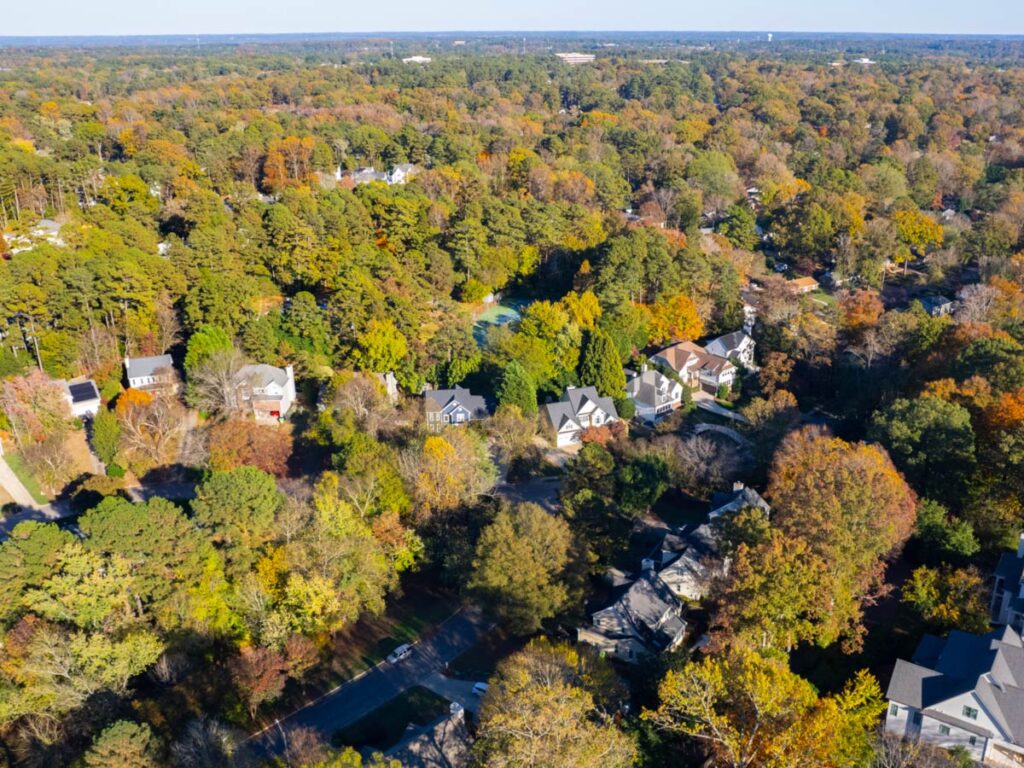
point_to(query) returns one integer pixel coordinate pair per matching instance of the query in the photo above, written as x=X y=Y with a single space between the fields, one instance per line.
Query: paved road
x=376 y=687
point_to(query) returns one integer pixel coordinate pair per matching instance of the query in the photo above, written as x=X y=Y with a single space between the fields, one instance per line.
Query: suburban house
x=645 y=619
x=736 y=346
x=740 y=497
x=801 y=285
x=653 y=393
x=402 y=172
x=452 y=406
x=1008 y=590
x=445 y=743
x=83 y=397
x=151 y=374
x=937 y=306
x=690 y=561
x=963 y=691
x=696 y=367
x=647 y=614
x=268 y=390
x=580 y=408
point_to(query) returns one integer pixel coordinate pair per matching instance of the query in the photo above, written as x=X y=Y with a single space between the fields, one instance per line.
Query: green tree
x=520 y=563
x=517 y=388
x=600 y=366
x=202 y=345
x=740 y=227
x=106 y=435
x=380 y=348
x=642 y=481
x=931 y=440
x=999 y=360
x=944 y=537
x=237 y=509
x=124 y=744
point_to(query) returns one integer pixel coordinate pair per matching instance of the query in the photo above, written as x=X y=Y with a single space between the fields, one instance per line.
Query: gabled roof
x=653 y=388
x=648 y=608
x=141 y=367
x=735 y=500
x=723 y=345
x=263 y=375
x=459 y=396
x=580 y=397
x=678 y=356
x=82 y=391
x=990 y=665
x=561 y=416
x=691 y=572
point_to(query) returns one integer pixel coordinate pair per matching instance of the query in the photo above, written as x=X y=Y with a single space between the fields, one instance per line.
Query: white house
x=445 y=407
x=963 y=691
x=151 y=374
x=737 y=345
x=697 y=367
x=580 y=408
x=653 y=393
x=83 y=397
x=268 y=390
x=402 y=172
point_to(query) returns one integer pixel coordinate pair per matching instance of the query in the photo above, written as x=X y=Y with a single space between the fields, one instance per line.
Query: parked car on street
x=401 y=652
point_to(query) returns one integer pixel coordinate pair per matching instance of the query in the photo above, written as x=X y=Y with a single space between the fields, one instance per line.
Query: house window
x=973 y=741
x=970 y=713
x=894 y=710
x=916 y=718
x=943 y=730
x=447 y=418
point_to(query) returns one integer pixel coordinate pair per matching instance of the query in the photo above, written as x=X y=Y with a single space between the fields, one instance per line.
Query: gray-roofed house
x=737 y=346
x=937 y=306
x=738 y=498
x=83 y=397
x=689 y=575
x=965 y=691
x=452 y=406
x=580 y=408
x=645 y=619
x=151 y=374
x=267 y=390
x=1008 y=589
x=445 y=743
x=653 y=393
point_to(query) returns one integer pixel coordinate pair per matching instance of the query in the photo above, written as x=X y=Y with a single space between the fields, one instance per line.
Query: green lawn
x=383 y=728
x=17 y=465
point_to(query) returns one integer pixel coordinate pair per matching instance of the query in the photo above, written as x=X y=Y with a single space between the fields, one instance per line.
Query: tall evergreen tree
x=517 y=388
x=599 y=365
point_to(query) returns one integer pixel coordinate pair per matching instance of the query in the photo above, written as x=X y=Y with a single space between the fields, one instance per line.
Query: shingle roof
x=141 y=367
x=262 y=375
x=445 y=743
x=990 y=665
x=731 y=501
x=475 y=404
x=728 y=342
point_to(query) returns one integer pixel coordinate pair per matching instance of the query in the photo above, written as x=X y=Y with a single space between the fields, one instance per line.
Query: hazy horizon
x=120 y=18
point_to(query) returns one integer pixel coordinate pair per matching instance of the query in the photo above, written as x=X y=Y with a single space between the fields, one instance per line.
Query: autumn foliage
x=240 y=443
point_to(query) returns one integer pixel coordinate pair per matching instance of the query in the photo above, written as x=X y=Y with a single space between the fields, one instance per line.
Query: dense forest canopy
x=208 y=201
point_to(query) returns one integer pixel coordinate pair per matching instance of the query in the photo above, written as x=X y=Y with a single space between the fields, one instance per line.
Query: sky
x=162 y=17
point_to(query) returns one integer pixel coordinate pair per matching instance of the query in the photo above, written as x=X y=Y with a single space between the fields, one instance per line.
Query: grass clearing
x=17 y=465
x=384 y=727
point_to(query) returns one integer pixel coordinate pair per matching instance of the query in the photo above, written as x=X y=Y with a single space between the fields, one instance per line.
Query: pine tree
x=599 y=365
x=517 y=388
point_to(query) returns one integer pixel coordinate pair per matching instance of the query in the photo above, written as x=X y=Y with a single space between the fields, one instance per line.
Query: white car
x=781 y=266
x=401 y=652
x=480 y=689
